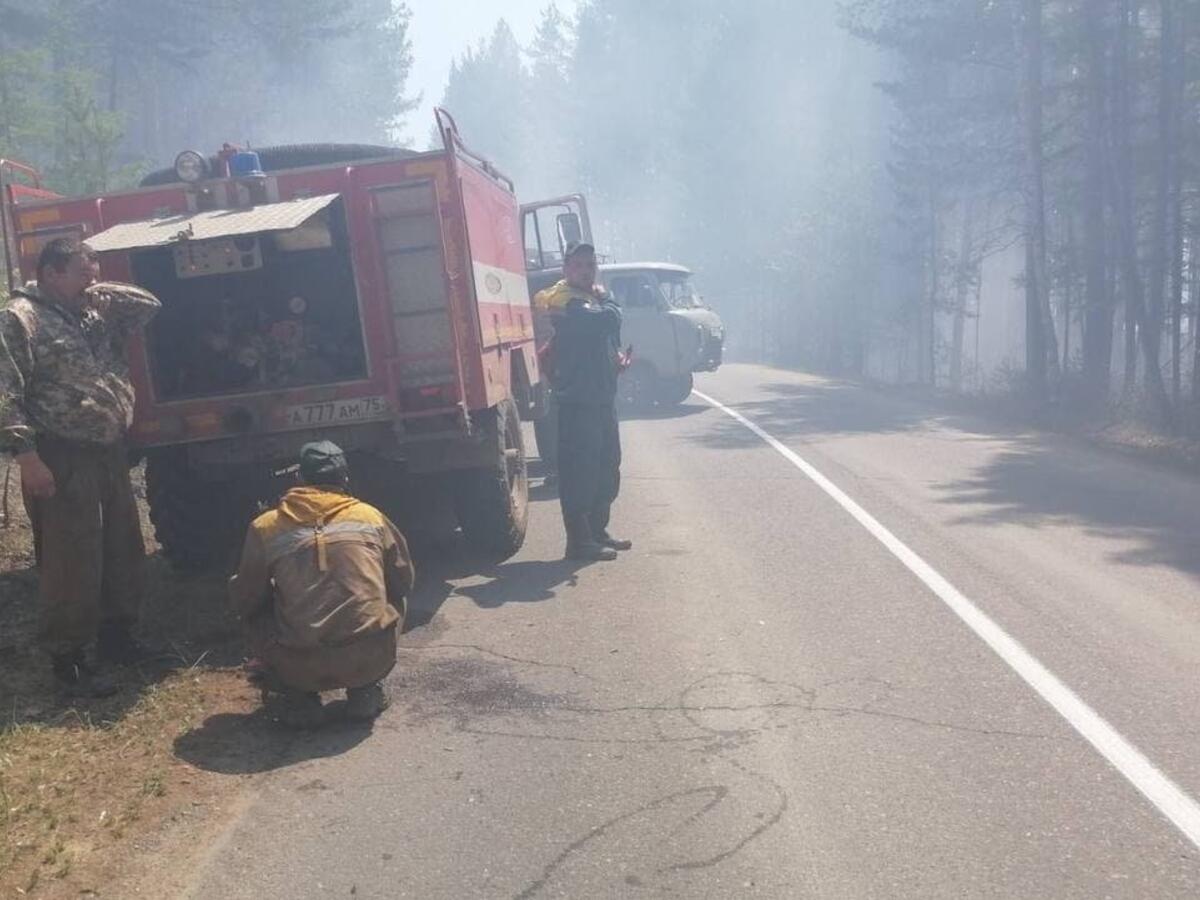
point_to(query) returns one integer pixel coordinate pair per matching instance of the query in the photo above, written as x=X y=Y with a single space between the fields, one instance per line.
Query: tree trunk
x=962 y=289
x=1130 y=333
x=1068 y=291
x=1121 y=173
x=1141 y=326
x=1194 y=309
x=1098 y=311
x=979 y=384
x=6 y=119
x=1176 y=315
x=1161 y=242
x=1179 y=76
x=927 y=316
x=114 y=56
x=1041 y=344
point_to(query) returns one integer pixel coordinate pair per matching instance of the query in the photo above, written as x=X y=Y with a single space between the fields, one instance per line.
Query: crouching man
x=321 y=590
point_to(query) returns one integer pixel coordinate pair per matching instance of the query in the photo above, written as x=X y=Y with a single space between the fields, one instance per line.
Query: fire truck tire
x=294 y=156
x=198 y=528
x=492 y=504
x=673 y=391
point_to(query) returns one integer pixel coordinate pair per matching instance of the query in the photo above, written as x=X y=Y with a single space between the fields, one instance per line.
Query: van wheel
x=673 y=391
x=637 y=387
x=198 y=525
x=492 y=504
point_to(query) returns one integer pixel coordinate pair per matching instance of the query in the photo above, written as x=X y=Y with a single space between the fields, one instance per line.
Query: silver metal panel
x=426 y=333
x=416 y=281
x=409 y=232
x=405 y=200
x=213 y=223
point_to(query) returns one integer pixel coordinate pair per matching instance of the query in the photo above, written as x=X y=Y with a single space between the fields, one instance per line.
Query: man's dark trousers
x=589 y=467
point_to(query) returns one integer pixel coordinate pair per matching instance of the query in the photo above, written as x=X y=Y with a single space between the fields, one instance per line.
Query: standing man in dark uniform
x=66 y=403
x=587 y=361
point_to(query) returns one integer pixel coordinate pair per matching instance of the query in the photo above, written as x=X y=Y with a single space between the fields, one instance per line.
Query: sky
x=443 y=29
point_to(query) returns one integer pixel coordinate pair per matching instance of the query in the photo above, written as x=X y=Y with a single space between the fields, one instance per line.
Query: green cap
x=323 y=462
x=575 y=247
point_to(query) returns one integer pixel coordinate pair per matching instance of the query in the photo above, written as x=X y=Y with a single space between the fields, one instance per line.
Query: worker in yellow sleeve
x=321 y=590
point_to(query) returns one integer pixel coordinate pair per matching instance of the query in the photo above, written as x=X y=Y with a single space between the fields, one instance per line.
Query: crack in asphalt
x=768 y=823
x=715 y=796
x=757 y=707
x=463 y=703
x=717 y=793
x=469 y=691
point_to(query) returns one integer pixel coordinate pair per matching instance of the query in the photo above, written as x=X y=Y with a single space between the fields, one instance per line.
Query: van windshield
x=678 y=290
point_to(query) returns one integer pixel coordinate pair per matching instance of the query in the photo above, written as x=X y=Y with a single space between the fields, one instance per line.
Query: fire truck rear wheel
x=198 y=528
x=492 y=504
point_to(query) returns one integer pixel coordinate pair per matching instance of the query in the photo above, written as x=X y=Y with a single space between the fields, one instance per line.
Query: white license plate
x=336 y=412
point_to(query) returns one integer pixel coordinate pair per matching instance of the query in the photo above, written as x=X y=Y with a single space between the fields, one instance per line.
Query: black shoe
x=116 y=644
x=365 y=703
x=607 y=540
x=590 y=551
x=75 y=678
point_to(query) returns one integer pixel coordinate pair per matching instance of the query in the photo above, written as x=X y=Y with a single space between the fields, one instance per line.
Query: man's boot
x=604 y=539
x=582 y=547
x=116 y=644
x=76 y=679
x=365 y=703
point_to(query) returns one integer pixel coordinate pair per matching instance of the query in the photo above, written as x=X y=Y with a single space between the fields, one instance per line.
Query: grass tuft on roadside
x=73 y=788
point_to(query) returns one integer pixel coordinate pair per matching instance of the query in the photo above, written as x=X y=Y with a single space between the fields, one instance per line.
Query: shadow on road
x=528 y=581
x=249 y=743
x=681 y=411
x=1020 y=477
x=820 y=407
x=522 y=582
x=1042 y=482
x=432 y=588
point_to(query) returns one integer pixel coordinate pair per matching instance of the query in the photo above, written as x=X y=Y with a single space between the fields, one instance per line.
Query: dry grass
x=80 y=786
x=76 y=791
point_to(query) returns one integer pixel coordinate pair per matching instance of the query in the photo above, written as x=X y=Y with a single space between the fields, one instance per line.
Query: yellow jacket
x=556 y=297
x=325 y=568
x=321 y=587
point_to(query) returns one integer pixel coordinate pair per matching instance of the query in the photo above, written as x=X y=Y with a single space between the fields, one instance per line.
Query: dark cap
x=323 y=462
x=578 y=247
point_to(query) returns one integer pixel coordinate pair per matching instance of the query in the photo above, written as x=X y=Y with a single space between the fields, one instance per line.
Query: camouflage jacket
x=67 y=374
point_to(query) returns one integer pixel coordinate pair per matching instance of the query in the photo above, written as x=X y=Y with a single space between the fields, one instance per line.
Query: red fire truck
x=368 y=295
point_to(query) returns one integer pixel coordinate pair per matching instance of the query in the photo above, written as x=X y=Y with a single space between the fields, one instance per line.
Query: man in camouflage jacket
x=66 y=403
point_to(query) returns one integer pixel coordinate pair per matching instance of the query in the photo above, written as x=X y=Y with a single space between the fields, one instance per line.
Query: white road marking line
x=1166 y=796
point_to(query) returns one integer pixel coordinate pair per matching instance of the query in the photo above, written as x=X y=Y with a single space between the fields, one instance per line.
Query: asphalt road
x=763 y=700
